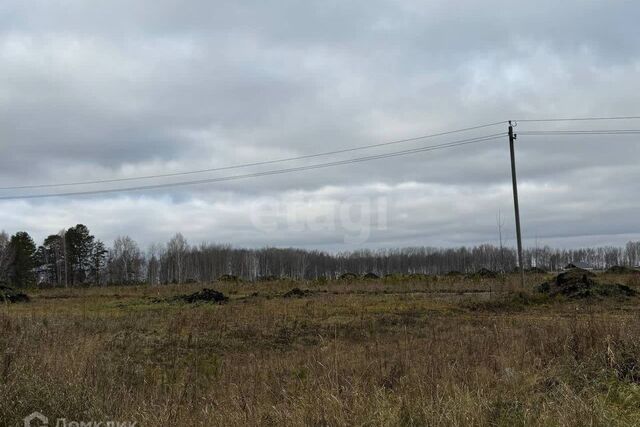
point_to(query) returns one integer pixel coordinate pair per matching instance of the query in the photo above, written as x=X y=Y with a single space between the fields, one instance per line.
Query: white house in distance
x=578 y=264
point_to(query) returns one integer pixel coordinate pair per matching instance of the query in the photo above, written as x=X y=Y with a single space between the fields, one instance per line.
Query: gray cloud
x=95 y=90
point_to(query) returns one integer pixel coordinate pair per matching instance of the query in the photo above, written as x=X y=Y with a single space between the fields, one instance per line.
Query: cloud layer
x=100 y=90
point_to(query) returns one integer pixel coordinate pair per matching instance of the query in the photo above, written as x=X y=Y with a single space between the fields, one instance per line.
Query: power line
x=244 y=165
x=582 y=132
x=308 y=156
x=579 y=119
x=451 y=144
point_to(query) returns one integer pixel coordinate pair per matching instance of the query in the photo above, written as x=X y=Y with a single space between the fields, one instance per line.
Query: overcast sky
x=113 y=89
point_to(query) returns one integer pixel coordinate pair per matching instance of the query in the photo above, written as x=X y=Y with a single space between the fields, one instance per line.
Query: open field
x=432 y=351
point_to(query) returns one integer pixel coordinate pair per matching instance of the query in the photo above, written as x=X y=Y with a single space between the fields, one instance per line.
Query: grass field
x=433 y=351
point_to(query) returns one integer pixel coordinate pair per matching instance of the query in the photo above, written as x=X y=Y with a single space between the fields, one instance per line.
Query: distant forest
x=74 y=257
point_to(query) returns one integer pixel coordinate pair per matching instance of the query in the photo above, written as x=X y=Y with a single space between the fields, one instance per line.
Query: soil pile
x=205 y=295
x=348 y=276
x=484 y=273
x=535 y=270
x=371 y=276
x=10 y=295
x=296 y=293
x=577 y=283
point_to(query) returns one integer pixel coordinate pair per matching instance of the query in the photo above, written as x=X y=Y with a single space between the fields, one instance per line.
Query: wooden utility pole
x=516 y=205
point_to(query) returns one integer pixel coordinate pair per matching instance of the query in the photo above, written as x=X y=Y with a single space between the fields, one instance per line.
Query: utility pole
x=500 y=225
x=516 y=205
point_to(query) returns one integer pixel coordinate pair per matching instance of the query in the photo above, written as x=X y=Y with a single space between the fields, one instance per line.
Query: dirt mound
x=418 y=276
x=296 y=293
x=574 y=275
x=371 y=276
x=10 y=295
x=484 y=273
x=620 y=269
x=579 y=283
x=535 y=270
x=453 y=273
x=348 y=276
x=205 y=295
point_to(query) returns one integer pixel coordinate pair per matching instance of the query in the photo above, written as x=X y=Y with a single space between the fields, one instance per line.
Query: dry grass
x=434 y=352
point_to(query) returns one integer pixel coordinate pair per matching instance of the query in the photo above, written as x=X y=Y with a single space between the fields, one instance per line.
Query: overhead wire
x=245 y=165
x=451 y=144
x=581 y=132
x=315 y=155
x=578 y=119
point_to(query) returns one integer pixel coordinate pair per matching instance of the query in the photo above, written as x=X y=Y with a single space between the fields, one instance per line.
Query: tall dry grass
x=443 y=352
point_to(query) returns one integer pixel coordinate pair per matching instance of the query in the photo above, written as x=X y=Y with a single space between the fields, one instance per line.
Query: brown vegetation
x=441 y=351
x=621 y=269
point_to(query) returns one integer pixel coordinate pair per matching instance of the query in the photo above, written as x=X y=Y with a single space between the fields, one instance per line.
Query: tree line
x=74 y=257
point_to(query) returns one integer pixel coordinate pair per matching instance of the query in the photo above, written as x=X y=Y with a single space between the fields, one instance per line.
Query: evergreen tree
x=50 y=257
x=79 y=246
x=24 y=262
